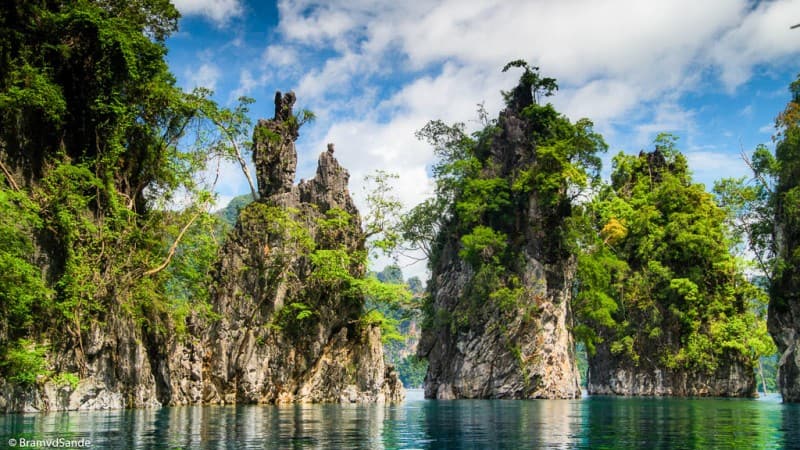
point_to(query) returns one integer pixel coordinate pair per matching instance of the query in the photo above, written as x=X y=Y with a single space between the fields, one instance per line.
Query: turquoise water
x=591 y=423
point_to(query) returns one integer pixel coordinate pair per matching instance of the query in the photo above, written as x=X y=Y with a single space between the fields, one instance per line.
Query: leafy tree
x=657 y=284
x=25 y=362
x=383 y=211
x=94 y=131
x=391 y=274
x=532 y=81
x=415 y=285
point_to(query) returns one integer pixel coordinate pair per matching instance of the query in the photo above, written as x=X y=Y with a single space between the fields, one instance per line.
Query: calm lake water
x=591 y=423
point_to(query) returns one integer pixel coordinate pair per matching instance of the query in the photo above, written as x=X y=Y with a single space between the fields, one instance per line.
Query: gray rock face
x=285 y=332
x=783 y=319
x=477 y=349
x=273 y=151
x=607 y=376
x=119 y=375
x=783 y=323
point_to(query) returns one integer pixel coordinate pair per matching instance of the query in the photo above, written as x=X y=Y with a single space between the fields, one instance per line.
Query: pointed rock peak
x=284 y=105
x=330 y=172
x=274 y=154
x=328 y=189
x=521 y=96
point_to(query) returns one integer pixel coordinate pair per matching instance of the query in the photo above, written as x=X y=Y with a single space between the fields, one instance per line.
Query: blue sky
x=715 y=72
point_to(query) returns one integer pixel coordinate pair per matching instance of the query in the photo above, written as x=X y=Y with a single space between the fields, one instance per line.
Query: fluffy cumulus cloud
x=761 y=35
x=218 y=11
x=381 y=69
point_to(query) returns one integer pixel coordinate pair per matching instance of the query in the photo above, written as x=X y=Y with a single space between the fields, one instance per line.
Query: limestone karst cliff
x=784 y=227
x=289 y=329
x=286 y=321
x=499 y=320
x=784 y=323
x=662 y=306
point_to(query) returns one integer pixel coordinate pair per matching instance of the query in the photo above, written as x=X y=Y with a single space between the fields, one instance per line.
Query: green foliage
x=33 y=90
x=92 y=119
x=479 y=198
x=67 y=379
x=229 y=137
x=530 y=79
x=455 y=160
x=383 y=216
x=582 y=363
x=785 y=197
x=334 y=228
x=769 y=369
x=331 y=267
x=391 y=274
x=24 y=362
x=656 y=280
x=282 y=223
x=395 y=307
x=392 y=295
x=230 y=213
x=483 y=244
x=305 y=116
x=420 y=226
x=412 y=371
x=22 y=287
x=415 y=285
x=388 y=325
x=188 y=279
x=300 y=310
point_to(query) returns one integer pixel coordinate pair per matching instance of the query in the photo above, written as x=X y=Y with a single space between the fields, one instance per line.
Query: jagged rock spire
x=274 y=152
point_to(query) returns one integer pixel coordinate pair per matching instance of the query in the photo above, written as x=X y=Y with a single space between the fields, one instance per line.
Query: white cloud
x=767 y=129
x=708 y=166
x=334 y=77
x=205 y=76
x=668 y=117
x=247 y=84
x=380 y=69
x=452 y=94
x=280 y=55
x=218 y=11
x=601 y=100
x=763 y=35
x=609 y=57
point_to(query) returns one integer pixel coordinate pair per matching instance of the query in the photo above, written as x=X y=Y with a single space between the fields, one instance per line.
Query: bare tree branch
x=238 y=154
x=174 y=246
x=10 y=179
x=177 y=241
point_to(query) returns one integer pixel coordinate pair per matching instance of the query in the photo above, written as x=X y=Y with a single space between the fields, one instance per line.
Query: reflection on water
x=585 y=423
